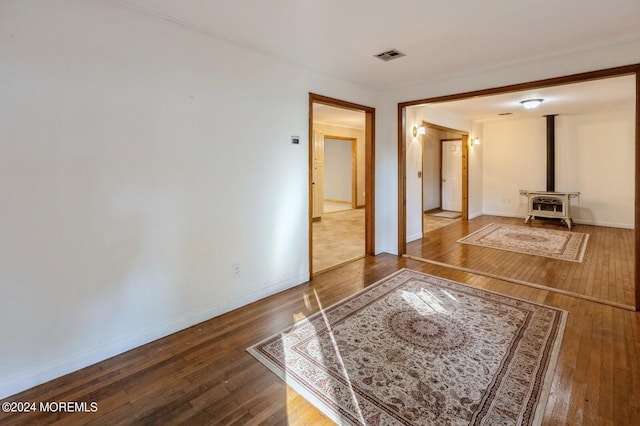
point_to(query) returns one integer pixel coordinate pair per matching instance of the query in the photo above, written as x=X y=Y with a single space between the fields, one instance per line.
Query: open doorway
x=492 y=160
x=442 y=183
x=341 y=182
x=341 y=178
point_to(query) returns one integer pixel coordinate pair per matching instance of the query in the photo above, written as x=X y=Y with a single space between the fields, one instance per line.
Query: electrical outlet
x=236 y=270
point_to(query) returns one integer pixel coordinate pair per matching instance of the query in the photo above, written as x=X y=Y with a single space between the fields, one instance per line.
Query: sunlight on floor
x=423 y=301
x=317 y=348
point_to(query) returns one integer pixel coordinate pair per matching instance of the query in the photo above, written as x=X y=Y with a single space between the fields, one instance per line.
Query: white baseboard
x=503 y=214
x=607 y=224
x=60 y=367
x=414 y=237
x=579 y=221
x=388 y=250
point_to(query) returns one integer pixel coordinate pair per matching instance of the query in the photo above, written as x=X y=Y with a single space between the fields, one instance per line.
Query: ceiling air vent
x=389 y=55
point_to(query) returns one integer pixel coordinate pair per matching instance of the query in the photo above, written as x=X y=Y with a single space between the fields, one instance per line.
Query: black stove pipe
x=551 y=153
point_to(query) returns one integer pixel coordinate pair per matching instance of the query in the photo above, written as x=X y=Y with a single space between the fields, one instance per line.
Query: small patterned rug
x=556 y=244
x=418 y=349
x=447 y=214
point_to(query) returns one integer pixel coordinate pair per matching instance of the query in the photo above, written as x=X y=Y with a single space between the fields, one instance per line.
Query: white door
x=452 y=175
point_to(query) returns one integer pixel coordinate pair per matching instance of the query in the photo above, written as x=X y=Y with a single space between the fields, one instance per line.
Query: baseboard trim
x=338 y=265
x=58 y=368
x=414 y=237
x=578 y=221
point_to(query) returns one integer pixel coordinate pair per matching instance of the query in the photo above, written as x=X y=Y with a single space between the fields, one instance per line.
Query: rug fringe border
x=547 y=382
x=295 y=385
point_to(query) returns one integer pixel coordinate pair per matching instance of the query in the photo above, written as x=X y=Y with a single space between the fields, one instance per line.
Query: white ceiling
x=440 y=38
x=577 y=98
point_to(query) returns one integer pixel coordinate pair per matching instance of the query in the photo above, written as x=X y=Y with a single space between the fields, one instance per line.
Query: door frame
x=555 y=81
x=369 y=186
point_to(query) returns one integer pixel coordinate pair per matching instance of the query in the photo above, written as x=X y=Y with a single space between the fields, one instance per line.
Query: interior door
x=452 y=175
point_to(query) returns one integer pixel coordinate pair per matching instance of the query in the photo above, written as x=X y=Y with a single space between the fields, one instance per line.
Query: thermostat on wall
x=295 y=140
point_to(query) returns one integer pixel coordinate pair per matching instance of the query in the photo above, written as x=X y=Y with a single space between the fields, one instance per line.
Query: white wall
x=414 y=182
x=514 y=158
x=139 y=161
x=431 y=173
x=476 y=171
x=337 y=169
x=599 y=153
x=594 y=156
x=358 y=134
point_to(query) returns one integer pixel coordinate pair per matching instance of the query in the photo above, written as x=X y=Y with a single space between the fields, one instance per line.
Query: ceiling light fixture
x=531 y=103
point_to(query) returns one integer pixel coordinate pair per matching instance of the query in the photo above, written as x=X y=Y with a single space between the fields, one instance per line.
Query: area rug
x=447 y=214
x=556 y=244
x=418 y=349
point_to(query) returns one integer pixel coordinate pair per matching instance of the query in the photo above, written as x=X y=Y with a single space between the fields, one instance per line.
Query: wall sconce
x=474 y=141
x=531 y=103
x=421 y=130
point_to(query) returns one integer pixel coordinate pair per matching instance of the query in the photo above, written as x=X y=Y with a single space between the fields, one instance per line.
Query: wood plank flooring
x=605 y=274
x=203 y=375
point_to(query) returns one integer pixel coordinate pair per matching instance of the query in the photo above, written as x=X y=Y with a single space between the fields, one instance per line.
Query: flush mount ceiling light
x=531 y=103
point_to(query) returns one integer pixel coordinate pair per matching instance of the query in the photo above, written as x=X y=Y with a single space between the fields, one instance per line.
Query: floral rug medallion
x=556 y=244
x=418 y=349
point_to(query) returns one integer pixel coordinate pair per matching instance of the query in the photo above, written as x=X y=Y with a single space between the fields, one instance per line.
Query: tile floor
x=339 y=236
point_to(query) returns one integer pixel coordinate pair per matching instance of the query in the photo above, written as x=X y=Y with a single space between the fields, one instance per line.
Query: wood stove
x=547 y=204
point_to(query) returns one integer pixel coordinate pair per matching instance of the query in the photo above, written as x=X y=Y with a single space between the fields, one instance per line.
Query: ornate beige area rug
x=556 y=244
x=418 y=349
x=447 y=214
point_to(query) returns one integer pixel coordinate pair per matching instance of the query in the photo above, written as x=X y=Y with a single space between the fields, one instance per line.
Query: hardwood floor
x=605 y=274
x=203 y=375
